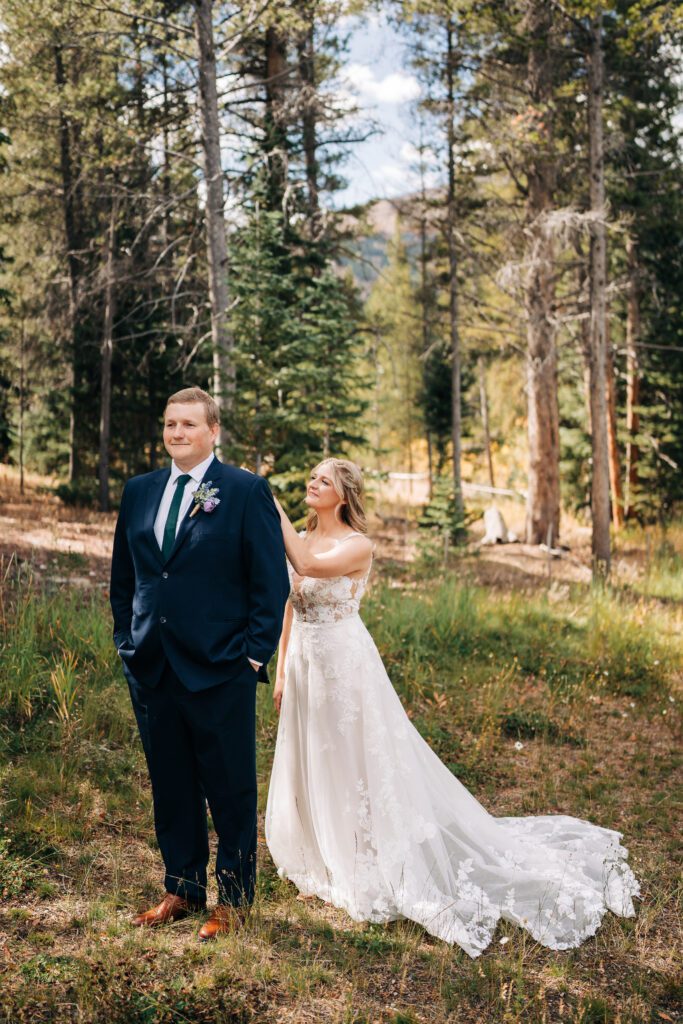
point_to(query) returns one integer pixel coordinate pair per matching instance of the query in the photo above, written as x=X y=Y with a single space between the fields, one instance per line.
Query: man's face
x=188 y=438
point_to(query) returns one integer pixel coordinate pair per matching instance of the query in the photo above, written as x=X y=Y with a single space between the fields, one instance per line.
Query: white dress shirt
x=197 y=474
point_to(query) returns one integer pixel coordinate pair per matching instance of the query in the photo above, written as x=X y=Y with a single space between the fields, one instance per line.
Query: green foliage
x=17 y=874
x=297 y=336
x=441 y=524
x=646 y=186
x=395 y=420
x=575 y=450
x=89 y=102
x=82 y=493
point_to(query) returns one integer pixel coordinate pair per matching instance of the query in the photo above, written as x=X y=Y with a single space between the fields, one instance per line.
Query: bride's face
x=320 y=492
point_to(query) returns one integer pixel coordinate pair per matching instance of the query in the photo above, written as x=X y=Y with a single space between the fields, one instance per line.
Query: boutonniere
x=205 y=498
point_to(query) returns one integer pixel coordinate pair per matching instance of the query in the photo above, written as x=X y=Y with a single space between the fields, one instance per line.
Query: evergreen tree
x=645 y=186
x=395 y=324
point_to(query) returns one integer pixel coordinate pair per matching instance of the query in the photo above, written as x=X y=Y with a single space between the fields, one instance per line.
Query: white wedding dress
x=362 y=813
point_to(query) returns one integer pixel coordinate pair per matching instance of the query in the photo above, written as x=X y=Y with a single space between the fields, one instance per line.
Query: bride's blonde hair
x=347 y=480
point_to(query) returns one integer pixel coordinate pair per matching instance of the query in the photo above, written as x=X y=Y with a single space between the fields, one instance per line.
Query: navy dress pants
x=201 y=747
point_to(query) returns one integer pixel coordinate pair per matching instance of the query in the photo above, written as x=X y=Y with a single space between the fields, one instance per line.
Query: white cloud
x=396 y=178
x=411 y=155
x=394 y=175
x=397 y=87
x=368 y=21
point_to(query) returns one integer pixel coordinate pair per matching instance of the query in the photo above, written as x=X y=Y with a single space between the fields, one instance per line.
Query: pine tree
x=395 y=324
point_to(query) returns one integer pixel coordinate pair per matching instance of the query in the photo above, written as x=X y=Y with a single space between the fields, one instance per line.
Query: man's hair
x=197 y=395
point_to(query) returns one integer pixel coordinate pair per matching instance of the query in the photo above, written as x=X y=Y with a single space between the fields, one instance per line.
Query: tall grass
x=650 y=561
x=56 y=649
x=593 y=639
x=479 y=672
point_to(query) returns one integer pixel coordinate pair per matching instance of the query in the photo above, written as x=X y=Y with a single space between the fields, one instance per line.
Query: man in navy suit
x=198 y=590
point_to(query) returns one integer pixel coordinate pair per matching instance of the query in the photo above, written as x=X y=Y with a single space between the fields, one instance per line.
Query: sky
x=377 y=77
x=379 y=80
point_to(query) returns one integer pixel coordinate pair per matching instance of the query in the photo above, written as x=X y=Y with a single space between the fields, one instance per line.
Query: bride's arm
x=346 y=558
x=281 y=656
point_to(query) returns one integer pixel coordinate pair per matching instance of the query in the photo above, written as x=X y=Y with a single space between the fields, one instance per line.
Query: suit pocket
x=126 y=650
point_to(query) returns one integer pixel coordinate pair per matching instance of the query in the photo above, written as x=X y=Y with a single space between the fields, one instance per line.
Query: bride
x=362 y=813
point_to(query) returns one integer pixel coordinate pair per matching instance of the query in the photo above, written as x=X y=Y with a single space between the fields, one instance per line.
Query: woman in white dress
x=363 y=814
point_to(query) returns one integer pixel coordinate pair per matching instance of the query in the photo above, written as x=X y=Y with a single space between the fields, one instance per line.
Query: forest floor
x=541 y=694
x=74 y=544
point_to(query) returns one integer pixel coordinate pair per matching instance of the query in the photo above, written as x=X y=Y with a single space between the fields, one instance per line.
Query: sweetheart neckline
x=351 y=579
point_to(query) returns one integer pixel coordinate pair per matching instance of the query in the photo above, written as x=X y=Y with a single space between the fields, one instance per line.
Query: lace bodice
x=325 y=600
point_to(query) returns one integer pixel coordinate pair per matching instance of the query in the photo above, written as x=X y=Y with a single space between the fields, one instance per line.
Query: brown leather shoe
x=171 y=908
x=224 y=919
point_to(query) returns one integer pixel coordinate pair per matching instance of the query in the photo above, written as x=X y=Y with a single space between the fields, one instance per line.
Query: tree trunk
x=106 y=352
x=600 y=506
x=73 y=247
x=484 y=406
x=216 y=235
x=166 y=186
x=456 y=399
x=543 y=491
x=276 y=136
x=309 y=123
x=616 y=490
x=632 y=379
x=424 y=311
x=22 y=401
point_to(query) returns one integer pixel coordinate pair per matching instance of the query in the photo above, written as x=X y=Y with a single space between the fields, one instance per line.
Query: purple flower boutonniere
x=205 y=498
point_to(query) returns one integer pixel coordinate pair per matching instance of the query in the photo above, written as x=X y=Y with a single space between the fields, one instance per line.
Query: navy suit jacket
x=217 y=600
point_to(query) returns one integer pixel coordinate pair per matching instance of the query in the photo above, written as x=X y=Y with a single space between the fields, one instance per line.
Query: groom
x=198 y=589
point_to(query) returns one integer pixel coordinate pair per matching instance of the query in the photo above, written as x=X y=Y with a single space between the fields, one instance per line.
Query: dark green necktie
x=172 y=521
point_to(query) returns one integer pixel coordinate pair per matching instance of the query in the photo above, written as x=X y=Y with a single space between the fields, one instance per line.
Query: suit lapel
x=188 y=522
x=154 y=495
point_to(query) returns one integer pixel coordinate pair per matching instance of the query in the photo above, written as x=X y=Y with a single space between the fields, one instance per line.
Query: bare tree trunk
x=600 y=505
x=376 y=410
x=309 y=121
x=276 y=138
x=430 y=466
x=216 y=236
x=424 y=309
x=616 y=489
x=543 y=430
x=484 y=406
x=456 y=398
x=73 y=246
x=632 y=379
x=22 y=401
x=166 y=187
x=106 y=353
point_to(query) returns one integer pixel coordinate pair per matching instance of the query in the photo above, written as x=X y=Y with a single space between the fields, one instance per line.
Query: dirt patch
x=61 y=542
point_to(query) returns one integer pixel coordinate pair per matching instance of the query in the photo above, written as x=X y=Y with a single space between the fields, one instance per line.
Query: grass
x=662 y=561
x=538 y=706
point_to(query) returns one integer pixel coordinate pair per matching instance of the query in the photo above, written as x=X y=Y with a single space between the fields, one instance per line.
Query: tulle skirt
x=362 y=813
